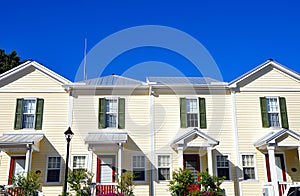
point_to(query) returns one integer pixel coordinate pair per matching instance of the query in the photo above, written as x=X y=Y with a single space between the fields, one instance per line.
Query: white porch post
x=90 y=160
x=28 y=158
x=272 y=165
x=180 y=157
x=120 y=148
x=209 y=160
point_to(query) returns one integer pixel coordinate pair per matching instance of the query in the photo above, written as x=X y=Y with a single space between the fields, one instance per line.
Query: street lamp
x=68 y=134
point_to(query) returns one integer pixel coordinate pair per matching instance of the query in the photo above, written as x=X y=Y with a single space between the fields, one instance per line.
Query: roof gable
x=263 y=70
x=33 y=65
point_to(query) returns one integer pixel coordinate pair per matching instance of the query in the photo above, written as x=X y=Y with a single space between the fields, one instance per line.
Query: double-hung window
x=79 y=162
x=248 y=164
x=164 y=167
x=223 y=166
x=192 y=112
x=53 y=169
x=29 y=114
x=111 y=113
x=138 y=168
x=274 y=112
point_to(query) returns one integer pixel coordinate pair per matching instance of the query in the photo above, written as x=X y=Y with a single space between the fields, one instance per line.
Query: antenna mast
x=84 y=60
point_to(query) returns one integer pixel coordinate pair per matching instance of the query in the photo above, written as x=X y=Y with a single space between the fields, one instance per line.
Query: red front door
x=106 y=168
x=17 y=166
x=280 y=168
x=192 y=163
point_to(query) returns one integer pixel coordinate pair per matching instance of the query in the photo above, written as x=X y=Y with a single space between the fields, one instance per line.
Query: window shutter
x=283 y=113
x=182 y=112
x=39 y=114
x=202 y=113
x=264 y=112
x=121 y=113
x=101 y=115
x=18 y=114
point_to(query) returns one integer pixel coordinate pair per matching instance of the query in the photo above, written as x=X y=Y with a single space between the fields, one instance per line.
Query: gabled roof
x=269 y=64
x=272 y=136
x=184 y=81
x=30 y=64
x=111 y=80
x=190 y=135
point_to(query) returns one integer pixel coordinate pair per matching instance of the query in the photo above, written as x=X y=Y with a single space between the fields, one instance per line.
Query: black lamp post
x=68 y=134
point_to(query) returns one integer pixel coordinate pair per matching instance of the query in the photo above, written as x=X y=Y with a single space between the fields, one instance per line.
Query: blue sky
x=239 y=35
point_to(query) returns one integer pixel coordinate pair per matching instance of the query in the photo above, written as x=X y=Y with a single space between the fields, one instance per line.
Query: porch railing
x=104 y=188
x=282 y=186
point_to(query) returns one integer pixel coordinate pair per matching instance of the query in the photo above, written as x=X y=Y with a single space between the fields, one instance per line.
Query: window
x=79 y=162
x=164 y=167
x=29 y=114
x=53 y=169
x=274 y=112
x=138 y=168
x=192 y=113
x=111 y=113
x=248 y=167
x=223 y=166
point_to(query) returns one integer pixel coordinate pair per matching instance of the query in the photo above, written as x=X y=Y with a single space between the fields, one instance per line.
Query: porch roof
x=95 y=138
x=189 y=136
x=276 y=137
x=10 y=141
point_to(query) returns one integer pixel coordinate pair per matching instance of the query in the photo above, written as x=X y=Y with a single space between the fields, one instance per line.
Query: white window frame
x=145 y=166
x=34 y=114
x=85 y=162
x=170 y=166
x=229 y=167
x=255 y=166
x=60 y=170
x=197 y=110
x=278 y=106
x=117 y=112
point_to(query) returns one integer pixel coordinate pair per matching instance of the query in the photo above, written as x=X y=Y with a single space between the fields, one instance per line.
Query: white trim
x=31 y=91
x=70 y=110
x=229 y=164
x=278 y=112
x=255 y=166
x=145 y=167
x=60 y=170
x=170 y=162
x=85 y=163
x=249 y=89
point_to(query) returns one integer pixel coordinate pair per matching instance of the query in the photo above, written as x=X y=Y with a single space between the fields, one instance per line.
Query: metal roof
x=184 y=80
x=274 y=135
x=106 y=138
x=112 y=80
x=20 y=138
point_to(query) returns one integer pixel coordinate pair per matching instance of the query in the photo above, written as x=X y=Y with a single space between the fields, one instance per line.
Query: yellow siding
x=274 y=79
x=31 y=80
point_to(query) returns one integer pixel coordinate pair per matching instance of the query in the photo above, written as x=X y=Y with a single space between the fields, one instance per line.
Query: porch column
x=180 y=157
x=120 y=148
x=209 y=160
x=90 y=160
x=28 y=158
x=272 y=165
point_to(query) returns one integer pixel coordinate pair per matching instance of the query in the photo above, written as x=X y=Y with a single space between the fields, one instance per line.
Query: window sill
x=53 y=183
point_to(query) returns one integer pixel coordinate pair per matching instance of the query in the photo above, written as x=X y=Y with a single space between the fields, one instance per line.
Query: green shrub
x=26 y=184
x=79 y=181
x=125 y=184
x=180 y=182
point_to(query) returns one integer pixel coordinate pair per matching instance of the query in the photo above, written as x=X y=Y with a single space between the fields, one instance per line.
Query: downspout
x=70 y=110
x=236 y=142
x=152 y=142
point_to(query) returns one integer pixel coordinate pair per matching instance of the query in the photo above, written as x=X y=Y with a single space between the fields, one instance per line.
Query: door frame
x=283 y=163
x=12 y=166
x=114 y=167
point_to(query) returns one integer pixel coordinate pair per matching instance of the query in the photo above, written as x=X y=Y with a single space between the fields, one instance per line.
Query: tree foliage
x=180 y=182
x=125 y=184
x=79 y=181
x=26 y=184
x=8 y=61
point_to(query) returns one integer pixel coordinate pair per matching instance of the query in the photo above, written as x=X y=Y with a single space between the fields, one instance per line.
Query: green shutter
x=18 y=114
x=283 y=113
x=182 y=112
x=121 y=113
x=264 y=112
x=39 y=114
x=202 y=113
x=101 y=114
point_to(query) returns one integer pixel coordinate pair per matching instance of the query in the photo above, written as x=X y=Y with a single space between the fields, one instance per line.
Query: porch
x=282 y=157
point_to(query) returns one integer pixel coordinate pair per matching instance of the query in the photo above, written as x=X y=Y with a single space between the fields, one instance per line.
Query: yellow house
x=247 y=130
